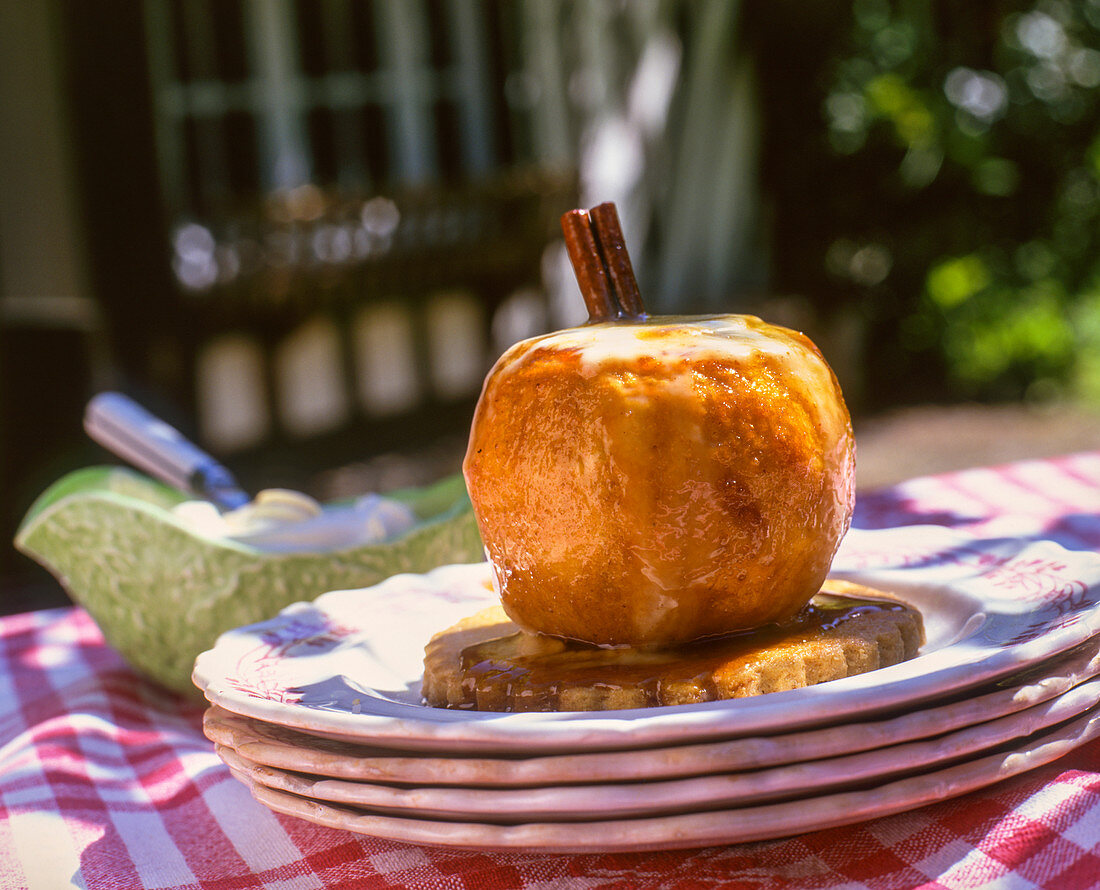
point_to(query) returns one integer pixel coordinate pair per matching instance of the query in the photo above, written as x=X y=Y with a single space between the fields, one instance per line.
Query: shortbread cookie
x=486 y=663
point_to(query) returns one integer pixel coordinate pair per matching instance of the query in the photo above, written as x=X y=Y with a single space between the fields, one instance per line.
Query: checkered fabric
x=107 y=782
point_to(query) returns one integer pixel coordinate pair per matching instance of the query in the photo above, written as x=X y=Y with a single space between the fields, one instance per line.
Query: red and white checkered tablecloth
x=106 y=782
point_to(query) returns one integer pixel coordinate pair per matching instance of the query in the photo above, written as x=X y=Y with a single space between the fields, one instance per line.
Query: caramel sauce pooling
x=530 y=672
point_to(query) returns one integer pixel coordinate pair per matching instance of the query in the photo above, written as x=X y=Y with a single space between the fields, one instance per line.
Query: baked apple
x=654 y=480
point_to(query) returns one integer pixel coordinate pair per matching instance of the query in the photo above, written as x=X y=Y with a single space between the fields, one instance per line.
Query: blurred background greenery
x=301 y=230
x=954 y=186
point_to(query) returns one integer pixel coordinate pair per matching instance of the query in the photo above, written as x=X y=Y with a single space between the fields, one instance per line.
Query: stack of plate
x=318 y=710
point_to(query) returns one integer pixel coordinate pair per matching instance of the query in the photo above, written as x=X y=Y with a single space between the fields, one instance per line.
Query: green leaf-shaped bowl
x=162 y=593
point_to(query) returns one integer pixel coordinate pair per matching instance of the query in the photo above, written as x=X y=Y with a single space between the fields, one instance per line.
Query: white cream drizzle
x=670 y=339
x=284 y=521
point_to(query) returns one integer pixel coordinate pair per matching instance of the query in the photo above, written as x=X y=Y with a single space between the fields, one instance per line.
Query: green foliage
x=975 y=130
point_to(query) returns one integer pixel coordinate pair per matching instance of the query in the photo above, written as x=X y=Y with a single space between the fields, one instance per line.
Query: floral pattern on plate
x=285 y=748
x=348 y=665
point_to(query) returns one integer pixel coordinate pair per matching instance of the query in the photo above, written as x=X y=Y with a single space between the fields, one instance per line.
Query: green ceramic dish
x=162 y=593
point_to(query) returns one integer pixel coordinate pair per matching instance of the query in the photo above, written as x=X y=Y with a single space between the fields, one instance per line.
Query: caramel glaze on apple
x=660 y=481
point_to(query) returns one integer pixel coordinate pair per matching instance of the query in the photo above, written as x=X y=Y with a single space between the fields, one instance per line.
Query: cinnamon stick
x=604 y=219
x=597 y=250
x=584 y=253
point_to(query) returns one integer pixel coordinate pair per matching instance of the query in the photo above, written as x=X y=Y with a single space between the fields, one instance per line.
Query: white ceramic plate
x=705 y=792
x=348 y=665
x=286 y=749
x=697 y=829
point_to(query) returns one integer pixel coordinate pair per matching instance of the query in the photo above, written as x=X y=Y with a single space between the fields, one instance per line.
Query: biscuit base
x=486 y=663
